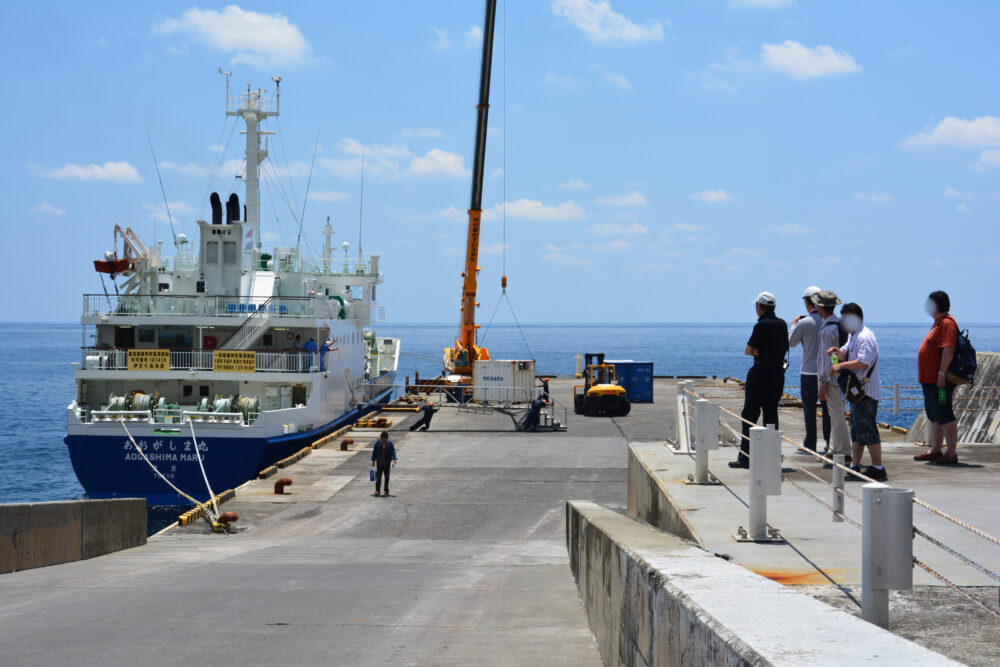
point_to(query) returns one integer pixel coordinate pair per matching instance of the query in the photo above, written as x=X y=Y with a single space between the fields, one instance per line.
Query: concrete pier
x=467 y=562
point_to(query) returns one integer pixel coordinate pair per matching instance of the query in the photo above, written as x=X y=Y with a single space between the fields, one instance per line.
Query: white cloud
x=568 y=81
x=421 y=133
x=634 y=198
x=688 y=227
x=328 y=196
x=952 y=192
x=439 y=163
x=958 y=133
x=602 y=24
x=789 y=229
x=614 y=78
x=188 y=169
x=760 y=4
x=49 y=209
x=990 y=157
x=875 y=198
x=451 y=250
x=158 y=212
x=216 y=148
x=441 y=41
x=618 y=245
x=379 y=159
x=961 y=208
x=497 y=173
x=473 y=36
x=532 y=209
x=494 y=249
x=575 y=185
x=258 y=39
x=802 y=62
x=744 y=252
x=270 y=237
x=449 y=214
x=558 y=256
x=712 y=196
x=614 y=229
x=121 y=172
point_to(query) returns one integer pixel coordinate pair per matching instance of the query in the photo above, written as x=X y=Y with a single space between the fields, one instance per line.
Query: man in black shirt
x=768 y=346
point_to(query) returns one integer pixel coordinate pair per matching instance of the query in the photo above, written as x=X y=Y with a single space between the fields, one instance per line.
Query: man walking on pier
x=768 y=345
x=383 y=458
x=805 y=331
x=829 y=390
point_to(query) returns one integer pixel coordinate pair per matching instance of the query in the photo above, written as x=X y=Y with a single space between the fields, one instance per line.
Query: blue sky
x=664 y=162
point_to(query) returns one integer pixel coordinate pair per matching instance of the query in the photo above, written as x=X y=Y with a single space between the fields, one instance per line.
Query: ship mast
x=253 y=106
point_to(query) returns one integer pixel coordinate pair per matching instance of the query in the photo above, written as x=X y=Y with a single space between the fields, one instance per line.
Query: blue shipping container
x=637 y=379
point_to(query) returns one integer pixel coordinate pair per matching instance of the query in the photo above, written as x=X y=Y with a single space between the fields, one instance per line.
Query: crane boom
x=460 y=358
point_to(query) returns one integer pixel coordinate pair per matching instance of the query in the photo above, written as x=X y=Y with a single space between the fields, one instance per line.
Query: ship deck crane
x=460 y=358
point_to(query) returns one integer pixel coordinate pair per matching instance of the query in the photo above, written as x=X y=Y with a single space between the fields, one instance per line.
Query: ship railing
x=291 y=361
x=121 y=415
x=292 y=263
x=216 y=417
x=119 y=305
x=182 y=261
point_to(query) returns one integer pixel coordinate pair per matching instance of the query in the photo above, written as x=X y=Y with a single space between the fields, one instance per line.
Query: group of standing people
x=840 y=365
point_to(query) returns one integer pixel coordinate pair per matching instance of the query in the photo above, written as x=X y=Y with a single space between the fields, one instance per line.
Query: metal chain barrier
x=982 y=605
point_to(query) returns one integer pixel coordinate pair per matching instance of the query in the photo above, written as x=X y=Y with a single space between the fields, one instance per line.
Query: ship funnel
x=216 y=208
x=232 y=209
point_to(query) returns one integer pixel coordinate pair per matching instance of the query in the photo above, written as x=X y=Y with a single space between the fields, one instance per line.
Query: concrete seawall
x=977 y=406
x=655 y=599
x=649 y=499
x=38 y=534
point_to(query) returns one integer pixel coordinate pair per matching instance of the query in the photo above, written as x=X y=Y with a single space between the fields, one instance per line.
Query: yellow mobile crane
x=458 y=360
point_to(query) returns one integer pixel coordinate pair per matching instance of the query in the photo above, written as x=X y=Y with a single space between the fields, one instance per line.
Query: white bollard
x=579 y=365
x=684 y=403
x=838 y=483
x=765 y=476
x=706 y=431
x=886 y=548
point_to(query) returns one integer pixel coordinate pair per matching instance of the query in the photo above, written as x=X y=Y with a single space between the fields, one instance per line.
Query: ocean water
x=36 y=379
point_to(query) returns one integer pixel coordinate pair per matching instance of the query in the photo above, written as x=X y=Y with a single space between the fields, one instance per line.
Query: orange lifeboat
x=113 y=266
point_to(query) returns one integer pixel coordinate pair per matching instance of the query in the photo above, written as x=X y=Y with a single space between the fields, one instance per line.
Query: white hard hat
x=810 y=291
x=765 y=299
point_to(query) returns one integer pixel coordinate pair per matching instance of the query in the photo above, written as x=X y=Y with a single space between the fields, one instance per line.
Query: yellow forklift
x=600 y=394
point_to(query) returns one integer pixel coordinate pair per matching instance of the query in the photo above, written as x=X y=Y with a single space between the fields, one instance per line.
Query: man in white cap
x=768 y=346
x=805 y=331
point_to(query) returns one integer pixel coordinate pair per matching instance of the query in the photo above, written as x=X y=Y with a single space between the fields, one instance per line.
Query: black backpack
x=963 y=364
x=841 y=334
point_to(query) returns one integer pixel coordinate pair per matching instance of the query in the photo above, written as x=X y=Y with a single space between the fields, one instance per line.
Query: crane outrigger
x=458 y=360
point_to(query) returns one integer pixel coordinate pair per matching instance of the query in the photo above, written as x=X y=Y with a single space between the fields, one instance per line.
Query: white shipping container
x=504 y=381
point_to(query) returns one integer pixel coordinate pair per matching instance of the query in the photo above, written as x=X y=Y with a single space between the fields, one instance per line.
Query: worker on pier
x=383 y=458
x=424 y=422
x=768 y=346
x=805 y=332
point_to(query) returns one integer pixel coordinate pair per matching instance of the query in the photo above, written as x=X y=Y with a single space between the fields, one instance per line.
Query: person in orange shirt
x=933 y=360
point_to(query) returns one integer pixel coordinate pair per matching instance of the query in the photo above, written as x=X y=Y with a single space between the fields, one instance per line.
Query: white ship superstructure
x=258 y=353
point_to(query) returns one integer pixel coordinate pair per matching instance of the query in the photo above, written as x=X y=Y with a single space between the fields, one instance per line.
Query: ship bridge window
x=203 y=390
x=177 y=338
x=147 y=336
x=357 y=292
x=212 y=252
x=229 y=252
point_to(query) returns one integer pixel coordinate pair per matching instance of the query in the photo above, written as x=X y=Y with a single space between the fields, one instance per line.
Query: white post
x=706 y=431
x=838 y=487
x=895 y=399
x=579 y=365
x=765 y=476
x=886 y=548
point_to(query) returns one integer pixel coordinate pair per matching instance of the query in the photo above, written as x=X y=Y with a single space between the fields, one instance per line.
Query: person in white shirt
x=861 y=352
x=805 y=331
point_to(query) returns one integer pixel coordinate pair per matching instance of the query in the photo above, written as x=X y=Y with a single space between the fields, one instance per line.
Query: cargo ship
x=203 y=368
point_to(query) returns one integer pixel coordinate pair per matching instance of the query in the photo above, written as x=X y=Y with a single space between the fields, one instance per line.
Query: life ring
x=209 y=342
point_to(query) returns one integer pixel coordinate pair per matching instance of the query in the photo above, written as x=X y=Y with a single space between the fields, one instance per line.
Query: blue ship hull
x=109 y=467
